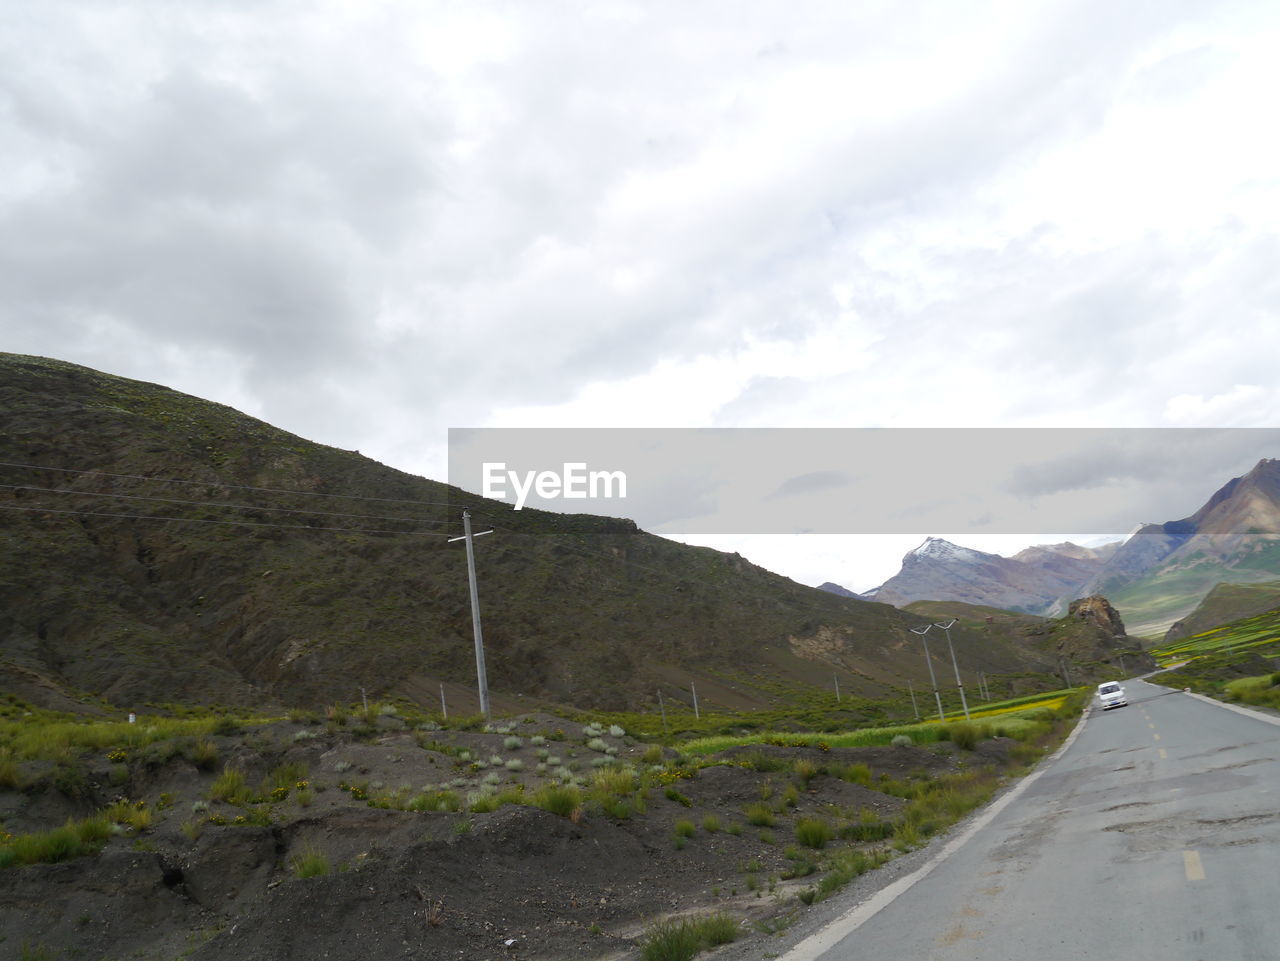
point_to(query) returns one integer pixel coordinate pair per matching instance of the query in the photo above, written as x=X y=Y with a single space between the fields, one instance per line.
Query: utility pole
x=911 y=691
x=960 y=684
x=482 y=678
x=444 y=708
x=694 y=691
x=928 y=663
x=663 y=708
x=836 y=678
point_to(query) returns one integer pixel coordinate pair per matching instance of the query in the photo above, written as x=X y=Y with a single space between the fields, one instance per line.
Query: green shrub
x=285 y=776
x=229 y=786
x=69 y=778
x=673 y=795
x=965 y=734
x=614 y=780
x=685 y=828
x=203 y=754
x=846 y=866
x=760 y=815
x=856 y=774
x=72 y=840
x=309 y=863
x=681 y=940
x=805 y=770
x=558 y=799
x=227 y=726
x=813 y=832
x=10 y=775
x=617 y=807
x=711 y=824
x=868 y=827
x=435 y=801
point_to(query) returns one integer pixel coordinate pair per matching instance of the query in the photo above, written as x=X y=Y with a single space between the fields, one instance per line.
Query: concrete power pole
x=959 y=683
x=482 y=678
x=928 y=663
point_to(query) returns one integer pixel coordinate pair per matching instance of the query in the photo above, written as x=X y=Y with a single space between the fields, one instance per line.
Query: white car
x=1111 y=694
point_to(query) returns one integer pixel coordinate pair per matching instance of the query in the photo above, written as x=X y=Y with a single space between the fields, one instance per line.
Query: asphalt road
x=1155 y=835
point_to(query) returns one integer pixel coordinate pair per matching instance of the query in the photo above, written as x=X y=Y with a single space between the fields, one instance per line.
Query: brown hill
x=156 y=547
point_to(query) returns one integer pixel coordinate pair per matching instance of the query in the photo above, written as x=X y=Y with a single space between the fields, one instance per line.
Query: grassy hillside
x=1151 y=606
x=1224 y=604
x=1235 y=661
x=1258 y=634
x=156 y=547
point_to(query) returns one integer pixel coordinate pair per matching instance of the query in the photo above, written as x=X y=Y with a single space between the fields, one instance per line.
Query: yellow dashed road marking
x=1191 y=861
x=1164 y=755
x=1156 y=736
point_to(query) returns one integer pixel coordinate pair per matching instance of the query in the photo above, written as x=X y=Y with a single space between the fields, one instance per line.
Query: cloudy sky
x=367 y=222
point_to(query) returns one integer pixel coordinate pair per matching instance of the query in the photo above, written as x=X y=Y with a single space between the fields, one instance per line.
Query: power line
x=244 y=507
x=200 y=520
x=239 y=487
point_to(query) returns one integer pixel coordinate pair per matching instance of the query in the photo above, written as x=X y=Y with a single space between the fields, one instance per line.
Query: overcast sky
x=369 y=222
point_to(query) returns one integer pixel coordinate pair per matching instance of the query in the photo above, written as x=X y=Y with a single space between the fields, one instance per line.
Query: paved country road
x=1155 y=835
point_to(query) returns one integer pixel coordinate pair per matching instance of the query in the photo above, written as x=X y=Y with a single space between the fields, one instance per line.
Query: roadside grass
x=811 y=710
x=813 y=832
x=1021 y=719
x=1232 y=674
x=933 y=805
x=1260 y=691
x=683 y=939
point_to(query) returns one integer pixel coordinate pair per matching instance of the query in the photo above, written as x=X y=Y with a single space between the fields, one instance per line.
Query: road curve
x=1155 y=834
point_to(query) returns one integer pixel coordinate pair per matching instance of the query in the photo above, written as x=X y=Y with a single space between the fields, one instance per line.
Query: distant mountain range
x=1032 y=581
x=1156 y=576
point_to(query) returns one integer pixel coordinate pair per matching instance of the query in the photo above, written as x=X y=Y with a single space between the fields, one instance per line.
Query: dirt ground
x=516 y=882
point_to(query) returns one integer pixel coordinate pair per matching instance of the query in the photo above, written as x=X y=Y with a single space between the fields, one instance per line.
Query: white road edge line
x=1237 y=708
x=816 y=944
